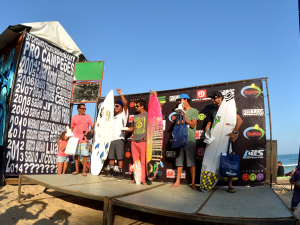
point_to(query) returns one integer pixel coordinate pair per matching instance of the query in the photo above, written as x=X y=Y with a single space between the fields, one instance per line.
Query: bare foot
x=144 y=183
x=194 y=187
x=175 y=185
x=131 y=182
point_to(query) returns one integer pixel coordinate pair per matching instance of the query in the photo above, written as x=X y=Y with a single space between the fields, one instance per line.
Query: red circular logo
x=201 y=93
x=127 y=154
x=245 y=177
x=201 y=152
x=132 y=104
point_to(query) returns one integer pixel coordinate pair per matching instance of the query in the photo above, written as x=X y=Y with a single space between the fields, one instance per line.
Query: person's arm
x=123 y=99
x=238 y=124
x=207 y=126
x=155 y=93
x=192 y=123
x=130 y=129
x=61 y=146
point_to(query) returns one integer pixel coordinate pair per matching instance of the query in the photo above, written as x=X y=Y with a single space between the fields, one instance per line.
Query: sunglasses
x=117 y=106
x=137 y=106
x=83 y=108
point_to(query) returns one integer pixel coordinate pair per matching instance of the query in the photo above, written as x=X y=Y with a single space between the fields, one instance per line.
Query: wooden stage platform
x=249 y=205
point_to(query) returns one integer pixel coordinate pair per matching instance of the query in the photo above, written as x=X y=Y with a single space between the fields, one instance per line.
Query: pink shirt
x=81 y=123
x=60 y=152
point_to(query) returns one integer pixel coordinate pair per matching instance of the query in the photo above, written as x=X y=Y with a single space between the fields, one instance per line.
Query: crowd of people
x=81 y=122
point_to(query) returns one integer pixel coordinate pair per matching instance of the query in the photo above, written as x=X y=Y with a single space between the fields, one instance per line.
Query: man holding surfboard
x=80 y=127
x=217 y=99
x=189 y=152
x=116 y=149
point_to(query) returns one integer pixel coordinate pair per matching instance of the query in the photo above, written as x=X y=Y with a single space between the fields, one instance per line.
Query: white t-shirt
x=119 y=121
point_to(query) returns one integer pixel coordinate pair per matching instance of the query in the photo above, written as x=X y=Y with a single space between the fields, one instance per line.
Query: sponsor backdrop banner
x=251 y=142
x=40 y=107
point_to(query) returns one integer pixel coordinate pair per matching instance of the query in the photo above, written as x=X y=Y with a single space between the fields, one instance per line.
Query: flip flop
x=231 y=190
x=84 y=174
x=75 y=173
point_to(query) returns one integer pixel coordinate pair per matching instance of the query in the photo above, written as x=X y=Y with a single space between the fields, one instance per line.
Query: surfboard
x=154 y=137
x=223 y=124
x=103 y=133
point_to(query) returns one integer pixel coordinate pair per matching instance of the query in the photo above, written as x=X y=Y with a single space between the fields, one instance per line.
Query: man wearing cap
x=191 y=116
x=80 y=125
x=116 y=150
x=217 y=99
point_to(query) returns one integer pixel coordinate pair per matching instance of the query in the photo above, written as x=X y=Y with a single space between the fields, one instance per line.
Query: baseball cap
x=183 y=96
x=120 y=103
x=216 y=93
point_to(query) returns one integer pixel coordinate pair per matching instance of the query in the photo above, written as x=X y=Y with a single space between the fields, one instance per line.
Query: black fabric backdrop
x=251 y=142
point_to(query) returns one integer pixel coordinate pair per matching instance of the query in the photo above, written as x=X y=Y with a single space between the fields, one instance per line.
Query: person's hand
x=92 y=131
x=154 y=93
x=119 y=90
x=232 y=137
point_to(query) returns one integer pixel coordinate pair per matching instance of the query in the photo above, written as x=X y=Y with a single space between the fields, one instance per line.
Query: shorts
x=295 y=204
x=61 y=159
x=190 y=154
x=116 y=149
x=83 y=149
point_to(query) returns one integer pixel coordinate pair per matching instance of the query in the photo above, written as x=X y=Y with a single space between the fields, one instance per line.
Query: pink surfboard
x=154 y=137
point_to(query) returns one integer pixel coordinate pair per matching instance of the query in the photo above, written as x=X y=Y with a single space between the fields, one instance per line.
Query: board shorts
x=295 y=204
x=190 y=154
x=116 y=149
x=61 y=159
x=83 y=149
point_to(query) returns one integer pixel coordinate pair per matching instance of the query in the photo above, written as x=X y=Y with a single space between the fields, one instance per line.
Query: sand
x=40 y=206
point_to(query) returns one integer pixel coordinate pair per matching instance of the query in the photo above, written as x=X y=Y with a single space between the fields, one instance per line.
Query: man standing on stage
x=80 y=127
x=217 y=99
x=191 y=116
x=116 y=150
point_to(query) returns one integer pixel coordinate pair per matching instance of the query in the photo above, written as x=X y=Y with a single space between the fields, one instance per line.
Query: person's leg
x=111 y=156
x=193 y=175
x=294 y=206
x=76 y=164
x=179 y=164
x=65 y=166
x=135 y=154
x=230 y=187
x=142 y=149
x=84 y=164
x=59 y=167
x=119 y=156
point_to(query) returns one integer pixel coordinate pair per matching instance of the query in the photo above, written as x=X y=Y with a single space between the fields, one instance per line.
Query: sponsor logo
x=172 y=117
x=127 y=154
x=201 y=93
x=252 y=177
x=172 y=174
x=226 y=91
x=132 y=104
x=131 y=118
x=130 y=168
x=228 y=96
x=251 y=90
x=200 y=152
x=253 y=112
x=260 y=176
x=173 y=98
x=245 y=177
x=255 y=131
x=217 y=120
x=170 y=154
x=253 y=154
x=201 y=116
x=200 y=134
x=162 y=99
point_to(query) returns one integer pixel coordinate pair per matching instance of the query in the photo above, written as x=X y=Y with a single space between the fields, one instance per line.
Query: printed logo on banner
x=200 y=134
x=132 y=104
x=201 y=116
x=170 y=154
x=172 y=174
x=252 y=177
x=255 y=131
x=254 y=154
x=260 y=176
x=162 y=99
x=173 y=98
x=172 y=117
x=127 y=153
x=226 y=91
x=251 y=90
x=130 y=168
x=253 y=112
x=201 y=96
x=245 y=177
x=131 y=118
x=200 y=152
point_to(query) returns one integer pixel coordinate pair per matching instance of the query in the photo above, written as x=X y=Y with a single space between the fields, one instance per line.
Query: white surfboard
x=223 y=124
x=103 y=133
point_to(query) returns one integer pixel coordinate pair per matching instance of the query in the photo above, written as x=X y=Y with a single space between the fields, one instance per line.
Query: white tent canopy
x=52 y=32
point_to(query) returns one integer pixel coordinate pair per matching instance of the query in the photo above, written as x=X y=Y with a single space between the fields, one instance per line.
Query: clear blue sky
x=184 y=43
